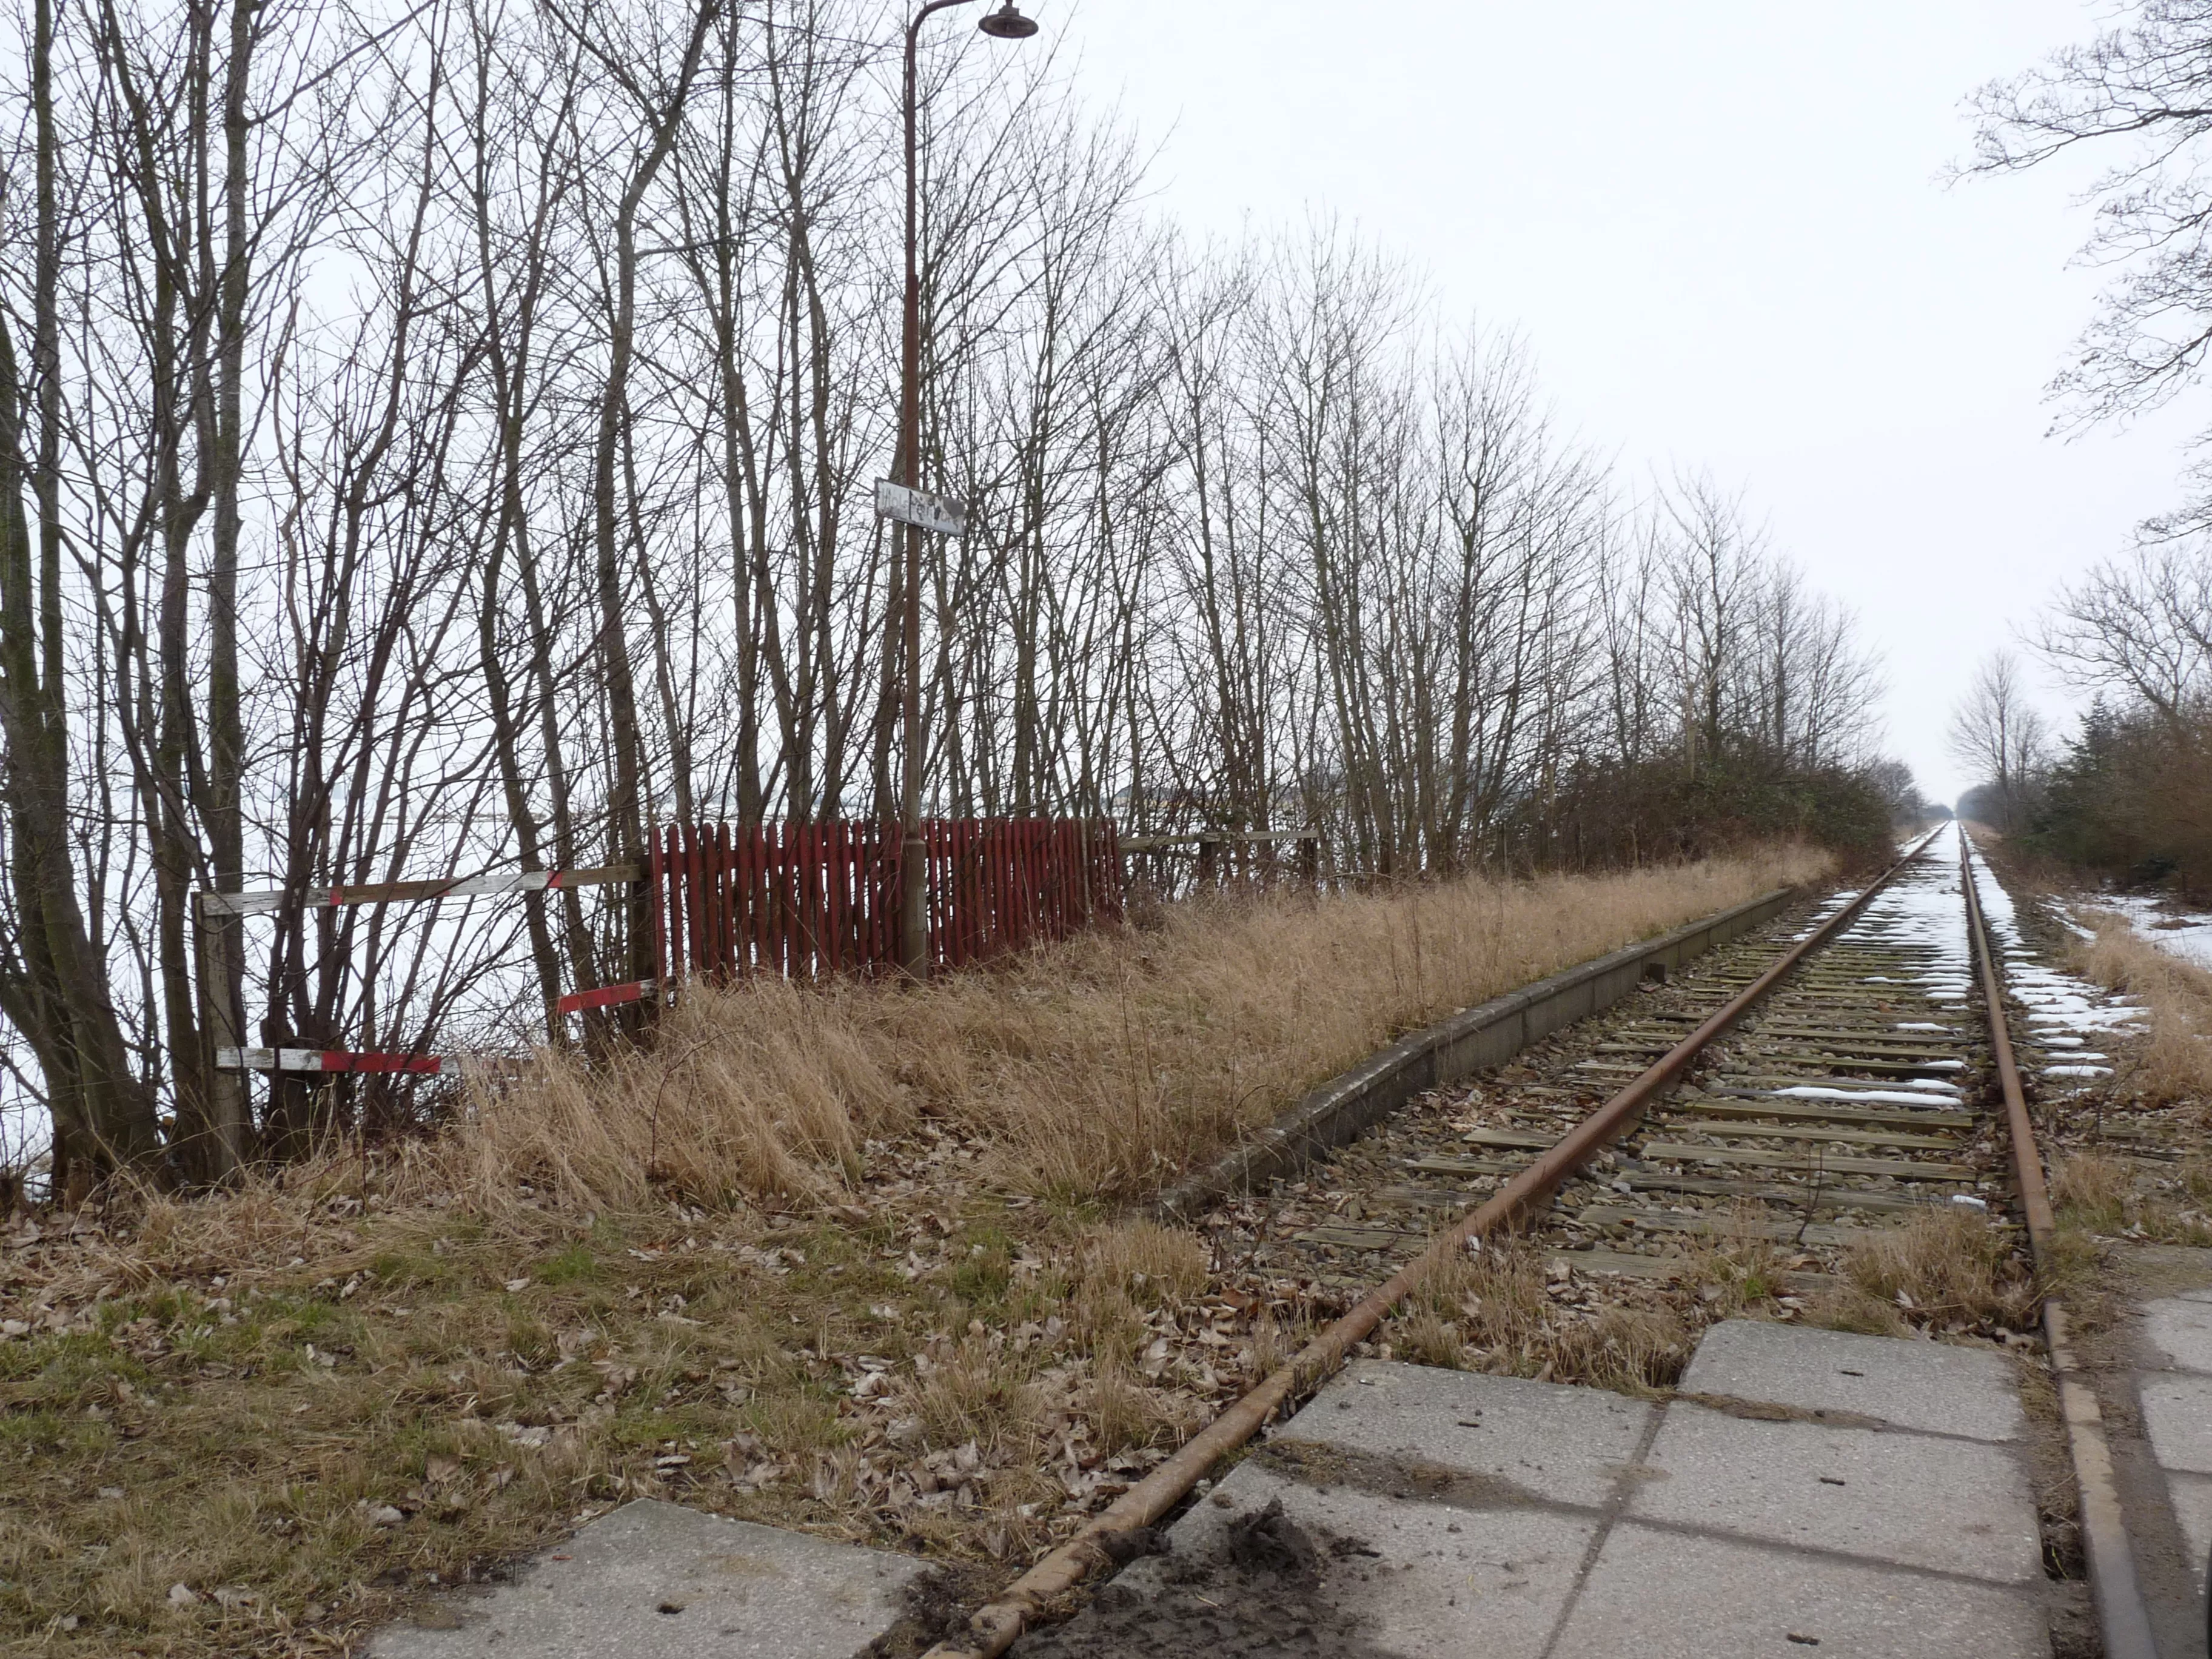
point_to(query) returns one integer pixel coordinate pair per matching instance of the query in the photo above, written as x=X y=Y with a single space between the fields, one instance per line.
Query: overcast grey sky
x=1721 y=229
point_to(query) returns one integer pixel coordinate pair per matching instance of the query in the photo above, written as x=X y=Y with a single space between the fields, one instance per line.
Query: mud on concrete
x=1269 y=1587
x=936 y=1604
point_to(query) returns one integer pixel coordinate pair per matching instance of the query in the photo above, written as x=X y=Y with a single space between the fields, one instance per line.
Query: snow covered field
x=2190 y=940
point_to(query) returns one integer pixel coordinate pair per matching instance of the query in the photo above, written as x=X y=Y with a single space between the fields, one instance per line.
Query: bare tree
x=2139 y=627
x=1713 y=569
x=1997 y=732
x=2141 y=90
x=442 y=437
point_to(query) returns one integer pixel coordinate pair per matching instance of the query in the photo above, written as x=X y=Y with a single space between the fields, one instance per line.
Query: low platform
x=657 y=1581
x=2175 y=1387
x=1807 y=1491
x=2154 y=1374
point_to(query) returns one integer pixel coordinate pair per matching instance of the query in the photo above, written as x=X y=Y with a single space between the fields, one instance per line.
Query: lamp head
x=1008 y=23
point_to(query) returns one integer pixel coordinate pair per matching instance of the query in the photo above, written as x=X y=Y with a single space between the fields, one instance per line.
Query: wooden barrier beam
x=417 y=893
x=334 y=1059
x=606 y=996
x=1153 y=843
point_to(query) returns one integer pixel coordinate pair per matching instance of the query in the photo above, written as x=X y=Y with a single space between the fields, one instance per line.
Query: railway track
x=1808 y=1085
x=1843 y=1102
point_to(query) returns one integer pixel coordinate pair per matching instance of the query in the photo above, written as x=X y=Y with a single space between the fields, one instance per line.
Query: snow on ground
x=2063 y=1012
x=1878 y=1096
x=1926 y=911
x=1828 y=907
x=2191 y=941
x=2059 y=913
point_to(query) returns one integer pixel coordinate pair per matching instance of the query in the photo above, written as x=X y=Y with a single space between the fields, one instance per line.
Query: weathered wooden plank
x=1751 y=1104
x=1432 y=1197
x=1519 y=1137
x=1735 y=1087
x=1465 y=1165
x=1760 y=1085
x=1883 y=1037
x=1724 y=1223
x=1683 y=1152
x=1359 y=1238
x=1843 y=1137
x=1825 y=1065
x=1827 y=1196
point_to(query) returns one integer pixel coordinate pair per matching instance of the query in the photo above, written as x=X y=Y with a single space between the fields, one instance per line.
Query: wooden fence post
x=656 y=887
x=229 y=1115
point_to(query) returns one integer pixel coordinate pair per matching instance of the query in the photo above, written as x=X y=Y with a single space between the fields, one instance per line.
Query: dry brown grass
x=2173 y=1065
x=1127 y=1271
x=1738 y=1269
x=833 y=1259
x=1149 y=1263
x=2159 y=1201
x=303 y=1432
x=1949 y=1272
x=2093 y=1190
x=1505 y=1312
x=1097 y=1069
x=971 y=1394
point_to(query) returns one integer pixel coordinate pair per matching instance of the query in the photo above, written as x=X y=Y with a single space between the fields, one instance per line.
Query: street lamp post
x=1005 y=24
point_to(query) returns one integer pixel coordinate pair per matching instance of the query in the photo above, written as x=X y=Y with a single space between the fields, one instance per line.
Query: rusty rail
x=2122 y=1618
x=995 y=1626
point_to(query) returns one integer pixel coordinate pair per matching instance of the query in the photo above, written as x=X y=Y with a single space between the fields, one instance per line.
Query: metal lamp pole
x=1005 y=24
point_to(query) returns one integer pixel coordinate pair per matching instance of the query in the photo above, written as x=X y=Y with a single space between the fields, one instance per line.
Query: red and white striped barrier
x=607 y=996
x=344 y=1060
x=334 y=1059
x=415 y=892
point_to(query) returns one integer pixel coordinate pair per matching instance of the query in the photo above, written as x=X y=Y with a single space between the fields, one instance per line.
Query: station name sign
x=937 y=513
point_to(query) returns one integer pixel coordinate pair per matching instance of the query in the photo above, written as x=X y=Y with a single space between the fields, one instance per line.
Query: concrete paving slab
x=1560 y=1444
x=1438 y=1572
x=2180 y=1328
x=1663 y=1595
x=2168 y=1270
x=1917 y=1500
x=1481 y=1496
x=656 y=1580
x=1914 y=1385
x=2192 y=1508
x=2177 y=1410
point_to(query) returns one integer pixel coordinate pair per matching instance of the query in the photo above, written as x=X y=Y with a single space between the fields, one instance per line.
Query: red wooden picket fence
x=806 y=900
